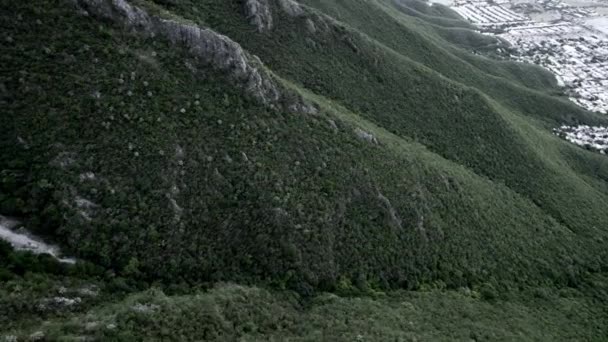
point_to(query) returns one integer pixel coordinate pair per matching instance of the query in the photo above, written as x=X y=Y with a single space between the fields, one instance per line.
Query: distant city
x=569 y=38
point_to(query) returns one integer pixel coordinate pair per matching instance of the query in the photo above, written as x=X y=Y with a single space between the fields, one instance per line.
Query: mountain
x=282 y=170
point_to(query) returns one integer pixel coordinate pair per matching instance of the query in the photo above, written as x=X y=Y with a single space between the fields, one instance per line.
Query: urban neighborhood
x=568 y=38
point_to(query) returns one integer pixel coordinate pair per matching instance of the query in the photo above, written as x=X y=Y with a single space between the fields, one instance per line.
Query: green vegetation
x=426 y=200
x=230 y=312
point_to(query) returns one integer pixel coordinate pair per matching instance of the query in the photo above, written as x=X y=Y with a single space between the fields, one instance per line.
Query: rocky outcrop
x=394 y=219
x=259 y=14
x=210 y=48
x=365 y=136
x=21 y=239
x=310 y=26
x=291 y=7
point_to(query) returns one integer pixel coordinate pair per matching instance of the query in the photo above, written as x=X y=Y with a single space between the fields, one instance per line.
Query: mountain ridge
x=295 y=160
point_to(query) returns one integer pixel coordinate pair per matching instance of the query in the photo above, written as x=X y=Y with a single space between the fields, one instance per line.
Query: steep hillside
x=298 y=149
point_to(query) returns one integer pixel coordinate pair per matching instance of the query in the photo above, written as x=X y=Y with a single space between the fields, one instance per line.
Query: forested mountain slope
x=301 y=150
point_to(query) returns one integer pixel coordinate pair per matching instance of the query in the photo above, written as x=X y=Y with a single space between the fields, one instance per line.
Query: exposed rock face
x=211 y=48
x=303 y=107
x=365 y=135
x=310 y=26
x=259 y=14
x=394 y=219
x=23 y=240
x=291 y=7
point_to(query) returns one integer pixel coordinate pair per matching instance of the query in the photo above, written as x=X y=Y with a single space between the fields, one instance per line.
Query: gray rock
x=291 y=7
x=37 y=336
x=333 y=125
x=145 y=308
x=211 y=48
x=365 y=135
x=259 y=14
x=394 y=219
x=303 y=107
x=310 y=26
